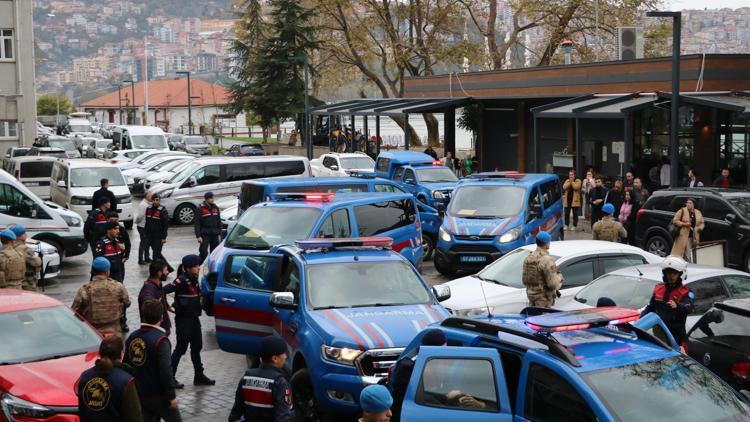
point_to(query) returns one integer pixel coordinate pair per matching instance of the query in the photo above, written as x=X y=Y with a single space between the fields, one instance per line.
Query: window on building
x=8 y=129
x=6 y=44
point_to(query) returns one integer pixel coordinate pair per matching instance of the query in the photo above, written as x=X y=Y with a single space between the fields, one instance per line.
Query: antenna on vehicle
x=486 y=304
x=639 y=271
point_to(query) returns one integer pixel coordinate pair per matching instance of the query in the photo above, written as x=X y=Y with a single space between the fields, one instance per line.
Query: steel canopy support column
x=449 y=122
x=367 y=135
x=627 y=135
x=535 y=153
x=377 y=133
x=578 y=143
x=406 y=132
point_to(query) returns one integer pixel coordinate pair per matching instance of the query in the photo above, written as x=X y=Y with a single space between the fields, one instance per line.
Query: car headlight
x=49 y=250
x=167 y=193
x=472 y=312
x=232 y=218
x=80 y=200
x=14 y=407
x=510 y=235
x=340 y=354
x=444 y=235
x=436 y=194
x=71 y=221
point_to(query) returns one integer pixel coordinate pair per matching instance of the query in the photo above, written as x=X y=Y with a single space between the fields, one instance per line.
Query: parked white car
x=336 y=164
x=167 y=172
x=499 y=286
x=124 y=156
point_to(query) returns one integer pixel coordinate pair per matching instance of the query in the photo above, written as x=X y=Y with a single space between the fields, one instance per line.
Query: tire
x=442 y=267
x=747 y=261
x=129 y=225
x=428 y=247
x=658 y=245
x=185 y=214
x=306 y=406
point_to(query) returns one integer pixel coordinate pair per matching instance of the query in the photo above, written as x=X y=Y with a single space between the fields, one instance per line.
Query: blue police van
x=346 y=308
x=261 y=190
x=428 y=180
x=491 y=214
x=597 y=364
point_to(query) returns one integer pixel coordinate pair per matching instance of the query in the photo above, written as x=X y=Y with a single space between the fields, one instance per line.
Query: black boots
x=202 y=379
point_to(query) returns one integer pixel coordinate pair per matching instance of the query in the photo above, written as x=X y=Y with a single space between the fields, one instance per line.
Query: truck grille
x=474 y=238
x=377 y=362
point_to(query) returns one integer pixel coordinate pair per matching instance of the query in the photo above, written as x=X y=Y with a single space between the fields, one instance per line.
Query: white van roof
x=84 y=163
x=143 y=130
x=219 y=160
x=79 y=121
x=27 y=158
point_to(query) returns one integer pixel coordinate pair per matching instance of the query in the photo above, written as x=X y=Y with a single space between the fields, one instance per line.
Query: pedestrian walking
x=102 y=300
x=375 y=401
x=665 y=173
x=671 y=300
x=33 y=261
x=156 y=226
x=586 y=187
x=110 y=247
x=448 y=161
x=572 y=199
x=693 y=181
x=596 y=200
x=93 y=228
x=608 y=228
x=107 y=392
x=207 y=225
x=628 y=211
x=688 y=225
x=104 y=192
x=615 y=196
x=540 y=275
x=12 y=263
x=147 y=351
x=723 y=181
x=264 y=394
x=187 y=318
x=140 y=223
x=153 y=290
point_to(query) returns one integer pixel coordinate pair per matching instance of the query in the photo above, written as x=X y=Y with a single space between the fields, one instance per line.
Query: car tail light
x=639 y=214
x=741 y=370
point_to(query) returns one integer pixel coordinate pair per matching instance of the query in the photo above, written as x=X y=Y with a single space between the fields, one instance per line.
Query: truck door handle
x=293 y=328
x=228 y=300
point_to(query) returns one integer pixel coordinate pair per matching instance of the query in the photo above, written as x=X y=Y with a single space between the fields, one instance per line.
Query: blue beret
x=375 y=399
x=208 y=195
x=543 y=237
x=18 y=230
x=189 y=261
x=608 y=208
x=101 y=264
x=9 y=234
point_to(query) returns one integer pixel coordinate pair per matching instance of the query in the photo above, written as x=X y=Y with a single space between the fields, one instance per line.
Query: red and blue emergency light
x=303 y=196
x=354 y=242
x=511 y=174
x=582 y=319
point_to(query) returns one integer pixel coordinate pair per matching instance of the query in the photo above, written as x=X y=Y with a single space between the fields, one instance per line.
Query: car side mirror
x=537 y=211
x=189 y=183
x=61 y=184
x=283 y=300
x=442 y=292
x=730 y=218
x=716 y=316
x=410 y=181
x=335 y=167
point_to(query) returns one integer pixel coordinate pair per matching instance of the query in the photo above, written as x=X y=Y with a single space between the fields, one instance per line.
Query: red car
x=44 y=347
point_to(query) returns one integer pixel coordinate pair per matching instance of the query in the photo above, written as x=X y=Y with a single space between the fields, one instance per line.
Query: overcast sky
x=702 y=4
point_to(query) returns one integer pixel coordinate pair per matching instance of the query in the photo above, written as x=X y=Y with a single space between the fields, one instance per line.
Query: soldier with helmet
x=33 y=261
x=671 y=300
x=540 y=275
x=102 y=301
x=12 y=263
x=608 y=228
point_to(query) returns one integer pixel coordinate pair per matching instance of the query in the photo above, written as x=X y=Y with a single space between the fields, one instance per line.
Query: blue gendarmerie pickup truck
x=428 y=180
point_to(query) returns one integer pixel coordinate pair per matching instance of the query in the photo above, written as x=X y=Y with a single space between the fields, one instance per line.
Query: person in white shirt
x=665 y=173
x=693 y=181
x=140 y=222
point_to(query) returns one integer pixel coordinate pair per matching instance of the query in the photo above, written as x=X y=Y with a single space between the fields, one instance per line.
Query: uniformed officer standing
x=123 y=237
x=671 y=300
x=109 y=247
x=264 y=393
x=12 y=263
x=187 y=307
x=540 y=275
x=608 y=228
x=33 y=261
x=157 y=224
x=106 y=392
x=102 y=301
x=93 y=229
x=152 y=290
x=207 y=225
x=375 y=401
x=147 y=351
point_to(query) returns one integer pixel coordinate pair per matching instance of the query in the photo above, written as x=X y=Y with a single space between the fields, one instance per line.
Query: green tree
x=251 y=30
x=46 y=105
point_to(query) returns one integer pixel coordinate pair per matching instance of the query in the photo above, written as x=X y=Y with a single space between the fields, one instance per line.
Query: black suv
x=726 y=213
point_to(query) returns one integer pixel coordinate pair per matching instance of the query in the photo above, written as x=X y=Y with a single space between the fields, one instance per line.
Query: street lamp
x=190 y=102
x=308 y=137
x=674 y=155
x=132 y=94
x=119 y=99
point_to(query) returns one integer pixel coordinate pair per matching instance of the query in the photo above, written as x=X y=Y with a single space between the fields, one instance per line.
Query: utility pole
x=132 y=99
x=190 y=102
x=119 y=99
x=145 y=80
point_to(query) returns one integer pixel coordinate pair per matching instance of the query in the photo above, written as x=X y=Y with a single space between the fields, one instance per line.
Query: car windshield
x=193 y=140
x=66 y=144
x=487 y=201
x=507 y=270
x=91 y=177
x=53 y=153
x=359 y=284
x=44 y=333
x=80 y=128
x=628 y=291
x=185 y=172
x=741 y=204
x=364 y=162
x=263 y=227
x=436 y=175
x=671 y=389
x=165 y=166
x=149 y=141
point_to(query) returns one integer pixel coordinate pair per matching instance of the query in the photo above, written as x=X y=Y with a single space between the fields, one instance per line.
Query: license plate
x=473 y=258
x=31 y=183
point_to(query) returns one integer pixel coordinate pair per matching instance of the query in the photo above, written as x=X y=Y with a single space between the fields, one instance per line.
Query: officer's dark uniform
x=208 y=227
x=113 y=250
x=93 y=229
x=104 y=193
x=152 y=290
x=673 y=318
x=157 y=224
x=101 y=396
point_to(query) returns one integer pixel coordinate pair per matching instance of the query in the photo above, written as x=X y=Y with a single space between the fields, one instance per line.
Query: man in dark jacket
x=615 y=196
x=671 y=300
x=157 y=225
x=596 y=199
x=93 y=229
x=187 y=318
x=123 y=237
x=104 y=192
x=252 y=400
x=207 y=225
x=147 y=352
x=152 y=290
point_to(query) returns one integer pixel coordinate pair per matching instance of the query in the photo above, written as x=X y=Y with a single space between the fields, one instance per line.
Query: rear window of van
x=36 y=169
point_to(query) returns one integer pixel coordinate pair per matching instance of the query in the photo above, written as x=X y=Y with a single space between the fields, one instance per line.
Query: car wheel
x=442 y=267
x=306 y=405
x=185 y=214
x=428 y=247
x=658 y=245
x=129 y=225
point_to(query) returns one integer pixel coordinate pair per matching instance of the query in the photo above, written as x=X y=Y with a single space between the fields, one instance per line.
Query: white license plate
x=473 y=258
x=31 y=183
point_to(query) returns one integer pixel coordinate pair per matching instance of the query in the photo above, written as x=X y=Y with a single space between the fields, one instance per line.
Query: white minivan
x=44 y=221
x=75 y=181
x=223 y=176
x=34 y=172
x=140 y=137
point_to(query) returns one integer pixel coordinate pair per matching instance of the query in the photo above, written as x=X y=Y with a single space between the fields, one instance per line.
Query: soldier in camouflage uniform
x=12 y=263
x=33 y=261
x=540 y=275
x=102 y=301
x=608 y=228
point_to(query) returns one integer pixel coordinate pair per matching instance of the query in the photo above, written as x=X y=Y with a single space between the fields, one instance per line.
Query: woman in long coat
x=689 y=222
